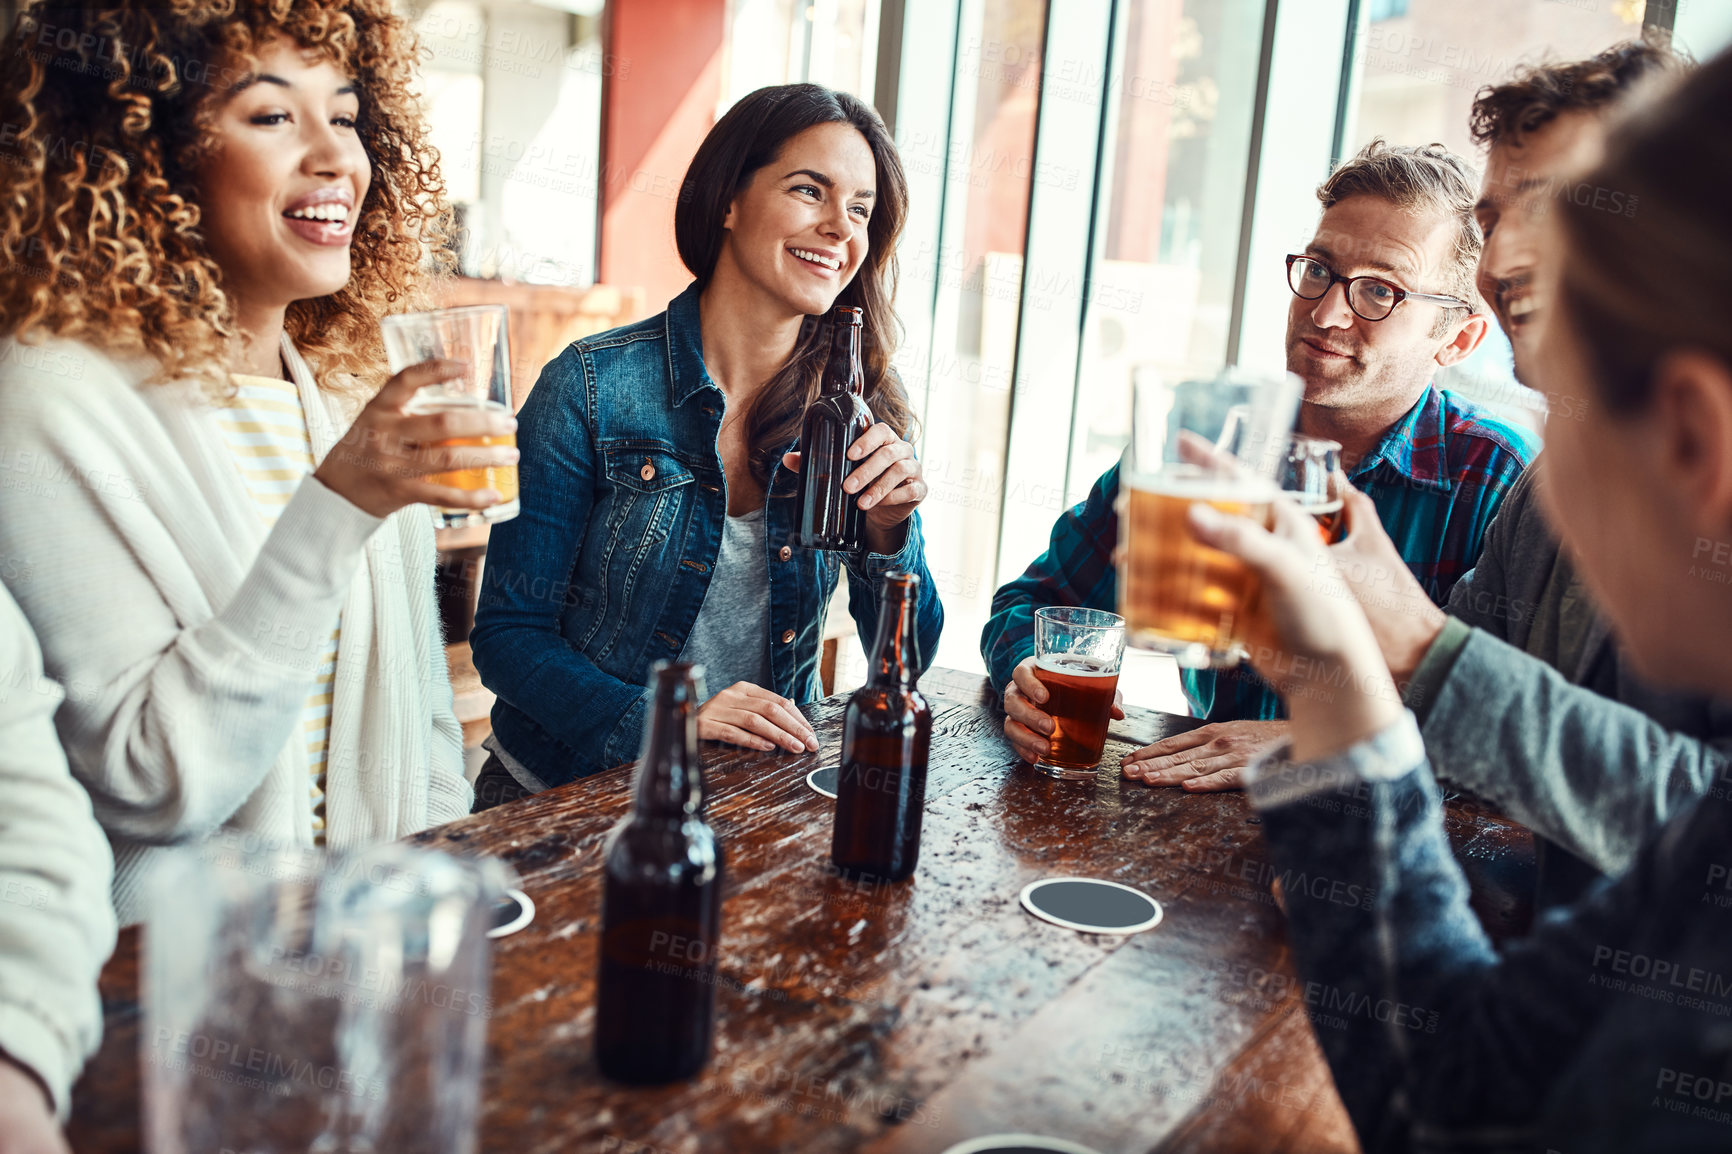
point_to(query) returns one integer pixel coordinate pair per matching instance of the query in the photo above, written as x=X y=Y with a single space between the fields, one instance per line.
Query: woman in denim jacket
x=1610 y=1027
x=659 y=486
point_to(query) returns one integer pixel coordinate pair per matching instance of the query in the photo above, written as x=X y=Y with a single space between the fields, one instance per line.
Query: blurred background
x=1095 y=183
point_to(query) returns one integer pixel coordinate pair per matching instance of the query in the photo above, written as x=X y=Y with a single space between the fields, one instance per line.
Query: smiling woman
x=211 y=208
x=660 y=465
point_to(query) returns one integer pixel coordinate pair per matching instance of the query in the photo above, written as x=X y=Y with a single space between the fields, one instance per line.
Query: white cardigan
x=56 y=928
x=188 y=636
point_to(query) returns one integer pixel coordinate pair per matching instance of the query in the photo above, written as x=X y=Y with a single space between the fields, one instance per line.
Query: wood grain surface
x=903 y=1019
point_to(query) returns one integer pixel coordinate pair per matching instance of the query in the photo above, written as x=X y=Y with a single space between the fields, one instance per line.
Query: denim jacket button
x=788 y=637
x=648 y=472
x=785 y=553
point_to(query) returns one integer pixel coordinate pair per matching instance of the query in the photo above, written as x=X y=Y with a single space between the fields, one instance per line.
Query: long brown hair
x=1648 y=261
x=99 y=206
x=746 y=139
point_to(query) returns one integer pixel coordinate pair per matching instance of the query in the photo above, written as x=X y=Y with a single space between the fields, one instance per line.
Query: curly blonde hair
x=105 y=115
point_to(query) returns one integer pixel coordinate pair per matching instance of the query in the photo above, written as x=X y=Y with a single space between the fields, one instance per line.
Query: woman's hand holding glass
x=749 y=715
x=1308 y=636
x=378 y=465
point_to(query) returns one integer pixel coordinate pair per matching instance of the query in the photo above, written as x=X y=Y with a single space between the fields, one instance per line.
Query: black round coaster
x=511 y=913
x=1091 y=906
x=823 y=780
x=1018 y=1144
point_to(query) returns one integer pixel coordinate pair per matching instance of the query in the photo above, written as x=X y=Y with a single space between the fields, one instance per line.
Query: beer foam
x=1075 y=665
x=1192 y=483
x=1318 y=510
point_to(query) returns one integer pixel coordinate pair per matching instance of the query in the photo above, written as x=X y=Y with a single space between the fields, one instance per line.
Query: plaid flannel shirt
x=1437 y=478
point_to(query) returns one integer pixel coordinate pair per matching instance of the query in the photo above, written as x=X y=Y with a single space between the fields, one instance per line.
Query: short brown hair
x=1430 y=179
x=1539 y=94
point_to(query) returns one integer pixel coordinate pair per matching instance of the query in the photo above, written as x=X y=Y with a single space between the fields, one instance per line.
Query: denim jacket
x=1608 y=1029
x=604 y=569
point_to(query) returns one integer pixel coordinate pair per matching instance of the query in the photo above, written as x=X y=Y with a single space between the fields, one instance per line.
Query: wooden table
x=903 y=1020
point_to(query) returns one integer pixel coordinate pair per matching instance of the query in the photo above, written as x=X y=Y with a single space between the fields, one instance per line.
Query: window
x=959 y=367
x=1387 y=9
x=1161 y=290
x=828 y=42
x=513 y=96
x=1420 y=68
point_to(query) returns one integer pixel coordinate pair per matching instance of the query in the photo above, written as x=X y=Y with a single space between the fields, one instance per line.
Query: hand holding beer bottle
x=859 y=480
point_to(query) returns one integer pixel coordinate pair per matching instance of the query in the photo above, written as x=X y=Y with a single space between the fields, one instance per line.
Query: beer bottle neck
x=895 y=662
x=842 y=372
x=670 y=776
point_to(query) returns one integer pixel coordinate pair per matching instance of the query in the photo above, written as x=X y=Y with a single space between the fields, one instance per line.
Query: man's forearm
x=1587 y=772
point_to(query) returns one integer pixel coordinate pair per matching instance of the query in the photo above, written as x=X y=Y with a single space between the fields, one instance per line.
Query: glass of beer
x=1177 y=595
x=475 y=334
x=1310 y=474
x=1077 y=653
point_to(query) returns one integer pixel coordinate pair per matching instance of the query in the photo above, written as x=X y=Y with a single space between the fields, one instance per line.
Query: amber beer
x=1175 y=593
x=661 y=908
x=881 y=788
x=479 y=337
x=1331 y=520
x=1080 y=703
x=500 y=478
x=829 y=517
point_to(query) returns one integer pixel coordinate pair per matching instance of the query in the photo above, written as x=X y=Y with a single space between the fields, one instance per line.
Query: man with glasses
x=1383 y=296
x=1520 y=691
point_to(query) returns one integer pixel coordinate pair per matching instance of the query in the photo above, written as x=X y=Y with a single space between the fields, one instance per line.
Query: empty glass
x=296 y=1002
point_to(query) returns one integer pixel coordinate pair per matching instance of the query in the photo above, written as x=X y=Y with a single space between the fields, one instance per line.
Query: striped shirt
x=266 y=433
x=1437 y=478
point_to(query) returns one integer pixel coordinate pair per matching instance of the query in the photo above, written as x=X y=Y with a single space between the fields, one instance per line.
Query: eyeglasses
x=1369 y=297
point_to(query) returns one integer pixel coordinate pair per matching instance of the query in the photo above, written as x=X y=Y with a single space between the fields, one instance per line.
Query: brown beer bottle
x=661 y=906
x=830 y=518
x=881 y=787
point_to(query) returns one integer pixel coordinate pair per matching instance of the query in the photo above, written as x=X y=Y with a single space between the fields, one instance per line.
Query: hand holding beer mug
x=476 y=336
x=1176 y=594
x=1077 y=654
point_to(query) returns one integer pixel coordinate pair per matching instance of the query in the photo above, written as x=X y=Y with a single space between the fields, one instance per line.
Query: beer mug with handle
x=1176 y=595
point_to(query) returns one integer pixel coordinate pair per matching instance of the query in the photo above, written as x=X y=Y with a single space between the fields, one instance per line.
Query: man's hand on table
x=27 y=1124
x=1206 y=760
x=1028 y=729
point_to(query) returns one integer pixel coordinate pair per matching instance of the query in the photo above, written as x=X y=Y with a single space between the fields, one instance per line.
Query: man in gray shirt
x=1521 y=693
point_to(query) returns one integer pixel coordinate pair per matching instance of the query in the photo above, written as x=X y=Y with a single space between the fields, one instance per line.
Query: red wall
x=661 y=100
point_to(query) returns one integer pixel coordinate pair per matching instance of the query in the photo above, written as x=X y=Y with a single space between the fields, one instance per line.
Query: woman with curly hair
x=206 y=209
x=659 y=482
